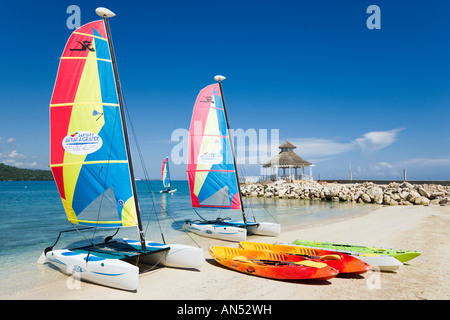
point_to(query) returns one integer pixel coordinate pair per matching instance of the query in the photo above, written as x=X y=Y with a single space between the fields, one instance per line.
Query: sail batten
x=90 y=35
x=84 y=103
x=89 y=160
x=85 y=163
x=211 y=170
x=83 y=58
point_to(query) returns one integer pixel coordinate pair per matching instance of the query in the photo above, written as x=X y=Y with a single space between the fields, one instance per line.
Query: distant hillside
x=9 y=173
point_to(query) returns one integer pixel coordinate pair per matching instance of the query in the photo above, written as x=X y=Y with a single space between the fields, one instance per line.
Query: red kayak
x=342 y=262
x=272 y=265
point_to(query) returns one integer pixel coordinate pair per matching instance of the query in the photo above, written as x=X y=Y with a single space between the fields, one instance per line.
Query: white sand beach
x=421 y=228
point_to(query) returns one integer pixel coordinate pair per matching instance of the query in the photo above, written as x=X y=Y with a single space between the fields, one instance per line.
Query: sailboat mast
x=125 y=131
x=219 y=80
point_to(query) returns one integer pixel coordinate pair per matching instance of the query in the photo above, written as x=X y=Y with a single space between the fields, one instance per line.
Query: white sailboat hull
x=171 y=191
x=268 y=229
x=182 y=256
x=260 y=228
x=178 y=256
x=108 y=272
x=117 y=273
x=227 y=233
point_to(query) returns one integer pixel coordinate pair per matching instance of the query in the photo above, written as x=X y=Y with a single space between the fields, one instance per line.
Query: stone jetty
x=394 y=193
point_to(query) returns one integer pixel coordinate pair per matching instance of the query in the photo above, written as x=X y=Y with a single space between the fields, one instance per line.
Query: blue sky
x=373 y=99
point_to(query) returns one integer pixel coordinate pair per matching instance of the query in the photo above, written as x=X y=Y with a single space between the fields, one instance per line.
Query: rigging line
x=91 y=242
x=148 y=183
x=147 y=179
x=149 y=186
x=198 y=214
x=170 y=216
x=242 y=169
x=154 y=266
x=144 y=168
x=81 y=233
x=265 y=209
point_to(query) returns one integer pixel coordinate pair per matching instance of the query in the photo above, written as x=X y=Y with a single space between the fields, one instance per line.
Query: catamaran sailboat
x=166 y=177
x=212 y=175
x=92 y=167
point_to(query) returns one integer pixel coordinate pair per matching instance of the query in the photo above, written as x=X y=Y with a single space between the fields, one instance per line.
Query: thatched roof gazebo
x=287 y=159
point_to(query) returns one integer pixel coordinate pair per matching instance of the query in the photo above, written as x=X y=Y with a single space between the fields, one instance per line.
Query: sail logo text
x=214 y=153
x=210 y=158
x=82 y=142
x=85 y=45
x=209 y=99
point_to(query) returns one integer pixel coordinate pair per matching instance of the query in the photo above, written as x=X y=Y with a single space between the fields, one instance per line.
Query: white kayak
x=383 y=262
x=178 y=256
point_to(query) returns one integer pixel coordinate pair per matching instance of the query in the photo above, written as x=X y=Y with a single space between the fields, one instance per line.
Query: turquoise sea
x=31 y=216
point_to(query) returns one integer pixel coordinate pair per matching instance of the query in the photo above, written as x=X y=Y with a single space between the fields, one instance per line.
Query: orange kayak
x=344 y=263
x=272 y=265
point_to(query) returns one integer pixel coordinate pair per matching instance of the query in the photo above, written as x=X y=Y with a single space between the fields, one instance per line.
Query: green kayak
x=400 y=255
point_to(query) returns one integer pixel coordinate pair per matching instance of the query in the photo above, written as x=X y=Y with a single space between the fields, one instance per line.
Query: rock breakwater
x=394 y=193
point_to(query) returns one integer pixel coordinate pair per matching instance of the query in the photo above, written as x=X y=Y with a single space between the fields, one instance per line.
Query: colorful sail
x=211 y=170
x=88 y=153
x=165 y=173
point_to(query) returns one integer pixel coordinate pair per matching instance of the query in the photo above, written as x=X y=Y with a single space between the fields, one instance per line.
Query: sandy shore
x=420 y=228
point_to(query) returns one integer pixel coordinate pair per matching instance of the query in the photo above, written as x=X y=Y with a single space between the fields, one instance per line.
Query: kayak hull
x=270 y=265
x=342 y=262
x=400 y=255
